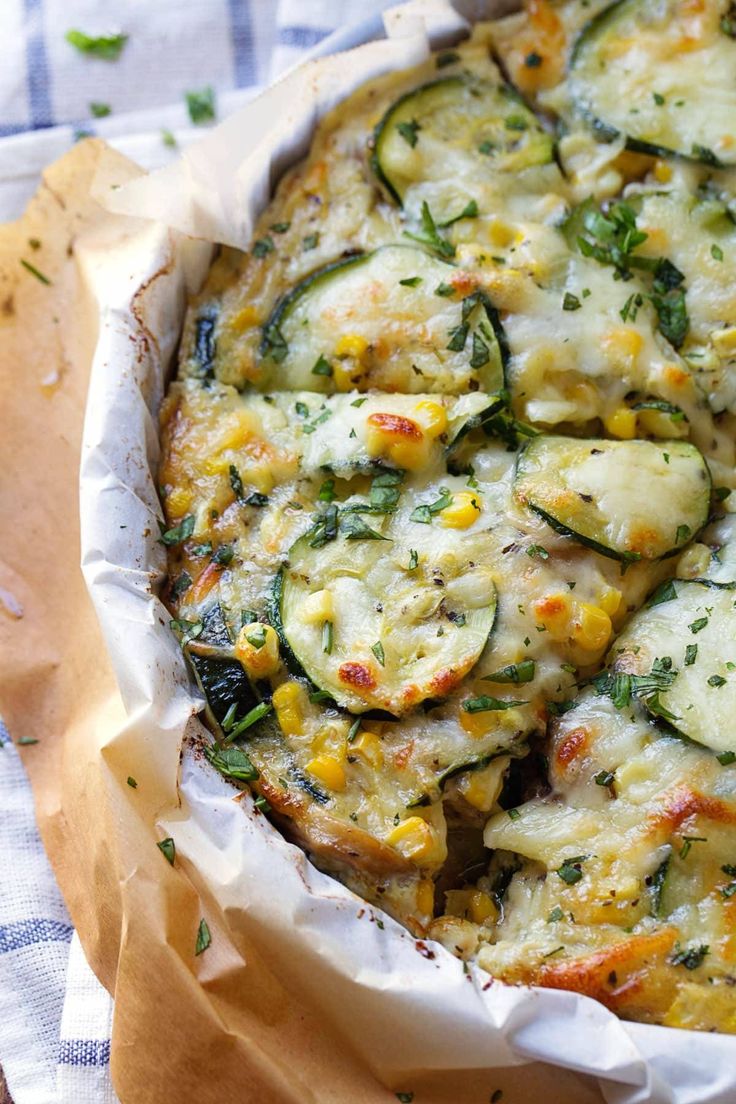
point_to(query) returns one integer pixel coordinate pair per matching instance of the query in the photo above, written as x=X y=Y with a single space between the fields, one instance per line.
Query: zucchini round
x=694 y=628
x=377 y=321
x=661 y=74
x=457 y=126
x=392 y=617
x=629 y=500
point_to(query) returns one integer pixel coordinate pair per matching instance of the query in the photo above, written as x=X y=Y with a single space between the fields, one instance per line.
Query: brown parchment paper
x=302 y=996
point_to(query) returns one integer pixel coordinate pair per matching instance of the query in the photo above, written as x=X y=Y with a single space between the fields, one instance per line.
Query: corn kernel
x=482 y=907
x=432 y=417
x=368 y=747
x=621 y=423
x=457 y=902
x=328 y=770
x=609 y=600
x=694 y=562
x=662 y=172
x=413 y=838
x=725 y=341
x=397 y=439
x=290 y=702
x=500 y=233
x=425 y=897
x=179 y=502
x=352 y=345
x=462 y=512
x=247 y=316
x=623 y=344
x=318 y=607
x=482 y=788
x=257 y=648
x=592 y=627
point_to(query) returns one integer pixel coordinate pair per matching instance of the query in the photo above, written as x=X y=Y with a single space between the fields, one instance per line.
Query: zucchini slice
x=391 y=616
x=378 y=321
x=456 y=127
x=629 y=500
x=662 y=75
x=689 y=631
x=221 y=678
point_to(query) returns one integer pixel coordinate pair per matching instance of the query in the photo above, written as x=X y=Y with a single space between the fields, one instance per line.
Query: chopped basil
x=263 y=246
x=236 y=483
x=458 y=338
x=310 y=242
x=513 y=814
x=536 y=550
x=658 y=98
x=189 y=630
x=726 y=758
x=690 y=957
x=379 y=653
x=470 y=210
x=514 y=672
x=516 y=122
x=698 y=624
x=359 y=402
x=179 y=533
x=327 y=637
x=429 y=234
x=716 y=252
x=255 y=498
x=604 y=778
x=555 y=915
x=481 y=353
x=321 y=367
x=409 y=131
x=257 y=637
x=99 y=110
x=413 y=559
x=427 y=511
x=106 y=47
x=411 y=281
x=325 y=528
x=353 y=527
x=168 y=138
x=688 y=841
x=716 y=680
x=201 y=105
x=571 y=302
x=280 y=227
x=130 y=780
x=327 y=491
x=691 y=652
x=232 y=762
x=570 y=871
x=204 y=939
x=533 y=60
x=682 y=534
x=180 y=585
x=167 y=847
x=274 y=343
x=302 y=409
x=35 y=272
x=449 y=57
x=486 y=704
x=444 y=290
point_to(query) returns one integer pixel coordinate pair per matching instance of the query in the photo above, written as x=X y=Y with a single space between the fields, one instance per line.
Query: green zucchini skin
x=552 y=474
x=593 y=32
x=286 y=303
x=414 y=103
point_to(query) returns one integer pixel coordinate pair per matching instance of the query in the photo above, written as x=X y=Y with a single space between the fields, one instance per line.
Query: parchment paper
x=302 y=995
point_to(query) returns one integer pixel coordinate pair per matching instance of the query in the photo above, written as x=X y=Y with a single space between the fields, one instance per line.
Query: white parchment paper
x=407 y=1011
